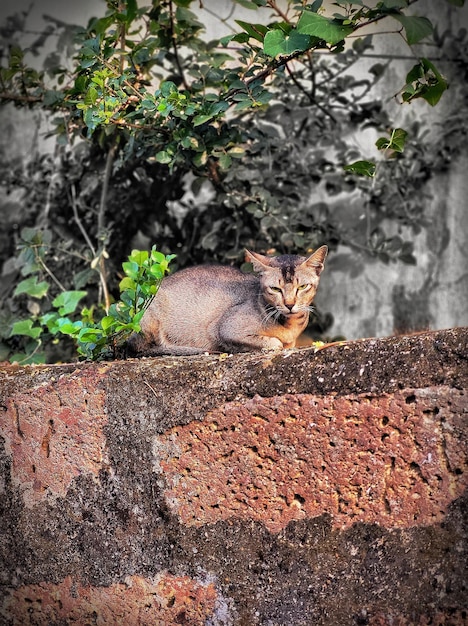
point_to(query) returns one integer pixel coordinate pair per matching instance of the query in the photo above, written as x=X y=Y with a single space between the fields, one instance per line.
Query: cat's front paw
x=271 y=343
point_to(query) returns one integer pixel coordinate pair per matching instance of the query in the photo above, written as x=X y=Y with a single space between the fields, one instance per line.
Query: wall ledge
x=302 y=487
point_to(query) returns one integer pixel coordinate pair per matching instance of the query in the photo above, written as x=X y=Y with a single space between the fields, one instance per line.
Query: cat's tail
x=138 y=346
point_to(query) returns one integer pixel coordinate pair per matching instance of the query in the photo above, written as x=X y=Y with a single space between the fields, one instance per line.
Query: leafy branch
x=121 y=98
x=104 y=338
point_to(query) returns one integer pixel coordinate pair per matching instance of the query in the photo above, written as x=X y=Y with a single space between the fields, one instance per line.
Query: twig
x=79 y=223
x=272 y=4
x=9 y=96
x=105 y=188
x=50 y=273
x=274 y=65
x=152 y=389
x=310 y=96
x=174 y=45
x=101 y=223
x=31 y=354
x=122 y=7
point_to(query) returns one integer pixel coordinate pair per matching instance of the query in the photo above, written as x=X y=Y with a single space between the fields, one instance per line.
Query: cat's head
x=289 y=282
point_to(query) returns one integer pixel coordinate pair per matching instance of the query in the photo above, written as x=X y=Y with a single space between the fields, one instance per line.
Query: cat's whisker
x=275 y=314
x=270 y=312
x=310 y=308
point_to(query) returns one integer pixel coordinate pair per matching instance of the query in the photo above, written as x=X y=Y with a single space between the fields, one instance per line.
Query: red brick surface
x=398 y=460
x=54 y=434
x=303 y=488
x=137 y=602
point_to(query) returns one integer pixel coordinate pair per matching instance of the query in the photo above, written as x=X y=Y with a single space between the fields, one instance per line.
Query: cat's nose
x=289 y=306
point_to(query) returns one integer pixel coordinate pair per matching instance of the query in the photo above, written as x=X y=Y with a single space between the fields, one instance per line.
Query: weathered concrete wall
x=366 y=297
x=369 y=298
x=302 y=488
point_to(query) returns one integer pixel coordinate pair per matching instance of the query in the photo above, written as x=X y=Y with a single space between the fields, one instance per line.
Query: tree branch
x=174 y=45
x=79 y=222
x=275 y=7
x=310 y=96
x=101 y=223
x=9 y=96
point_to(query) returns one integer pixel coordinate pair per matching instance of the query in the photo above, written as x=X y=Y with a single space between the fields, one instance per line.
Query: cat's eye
x=275 y=289
x=302 y=287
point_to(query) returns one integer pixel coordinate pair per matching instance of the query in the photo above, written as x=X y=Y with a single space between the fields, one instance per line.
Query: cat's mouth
x=292 y=314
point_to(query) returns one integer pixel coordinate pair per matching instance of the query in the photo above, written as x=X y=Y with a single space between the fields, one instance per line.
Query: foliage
x=57 y=317
x=394 y=144
x=180 y=123
x=261 y=120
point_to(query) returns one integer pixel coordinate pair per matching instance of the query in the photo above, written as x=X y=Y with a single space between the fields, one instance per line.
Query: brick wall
x=302 y=488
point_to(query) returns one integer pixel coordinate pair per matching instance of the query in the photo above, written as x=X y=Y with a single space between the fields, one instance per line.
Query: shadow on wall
x=370 y=299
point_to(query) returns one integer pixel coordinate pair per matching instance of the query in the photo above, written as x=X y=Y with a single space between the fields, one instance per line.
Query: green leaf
x=322 y=27
x=416 y=28
x=132 y=10
x=36 y=358
x=396 y=142
x=107 y=322
x=190 y=143
x=26 y=328
x=32 y=288
x=395 y=4
x=88 y=335
x=67 y=301
x=424 y=81
x=52 y=97
x=163 y=157
x=156 y=270
x=241 y=96
x=50 y=320
x=138 y=257
x=277 y=42
x=168 y=87
x=256 y=31
x=198 y=120
x=225 y=161
x=156 y=256
x=91 y=96
x=200 y=159
x=137 y=319
x=361 y=168
x=236 y=152
x=131 y=268
x=127 y=283
x=67 y=327
x=239 y=38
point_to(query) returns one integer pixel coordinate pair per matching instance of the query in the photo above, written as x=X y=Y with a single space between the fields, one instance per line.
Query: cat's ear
x=317 y=259
x=259 y=261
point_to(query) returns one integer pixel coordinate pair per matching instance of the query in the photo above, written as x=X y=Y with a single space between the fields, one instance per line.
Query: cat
x=220 y=309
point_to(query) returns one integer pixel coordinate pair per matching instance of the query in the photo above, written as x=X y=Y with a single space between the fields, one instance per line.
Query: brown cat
x=220 y=309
